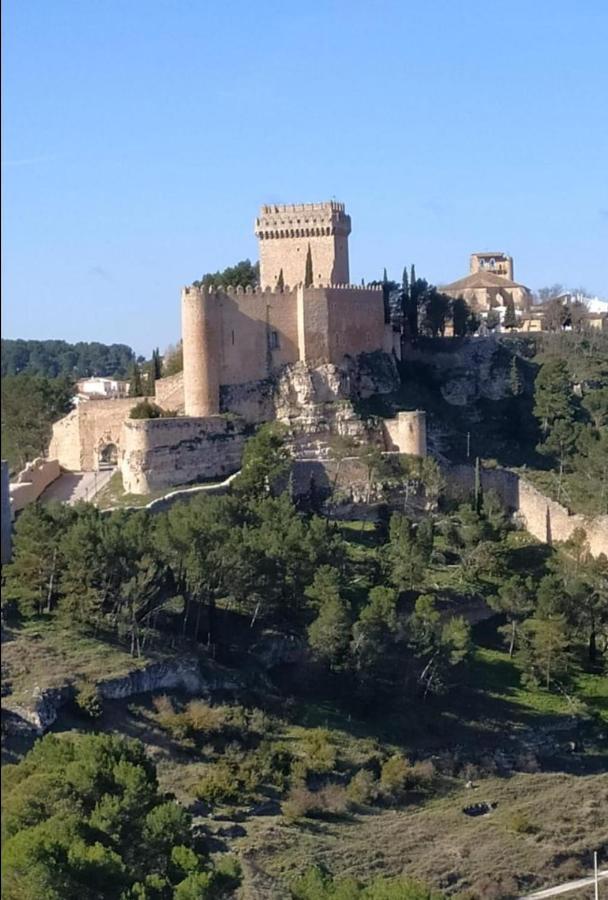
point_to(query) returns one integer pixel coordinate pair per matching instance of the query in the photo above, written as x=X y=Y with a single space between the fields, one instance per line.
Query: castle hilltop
x=286 y=350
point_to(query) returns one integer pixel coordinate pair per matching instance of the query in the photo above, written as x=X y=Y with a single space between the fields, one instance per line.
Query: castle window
x=273 y=340
x=233 y=338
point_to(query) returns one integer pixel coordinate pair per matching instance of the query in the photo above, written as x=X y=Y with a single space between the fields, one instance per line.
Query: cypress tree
x=156 y=365
x=281 y=281
x=135 y=381
x=386 y=298
x=478 y=499
x=405 y=294
x=412 y=306
x=308 y=273
x=510 y=319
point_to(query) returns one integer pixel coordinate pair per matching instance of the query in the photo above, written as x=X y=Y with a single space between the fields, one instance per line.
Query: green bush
x=219 y=784
x=363 y=787
x=145 y=409
x=319 y=752
x=395 y=776
x=319 y=885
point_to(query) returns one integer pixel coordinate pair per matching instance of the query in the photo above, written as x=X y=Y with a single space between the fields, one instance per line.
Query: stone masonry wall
x=547 y=520
x=78 y=438
x=159 y=453
x=169 y=392
x=32 y=481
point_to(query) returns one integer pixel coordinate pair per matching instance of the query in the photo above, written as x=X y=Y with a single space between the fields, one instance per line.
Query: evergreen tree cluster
x=82 y=816
x=52 y=359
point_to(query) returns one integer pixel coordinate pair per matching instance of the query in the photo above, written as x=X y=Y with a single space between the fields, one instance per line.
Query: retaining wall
x=32 y=481
x=544 y=518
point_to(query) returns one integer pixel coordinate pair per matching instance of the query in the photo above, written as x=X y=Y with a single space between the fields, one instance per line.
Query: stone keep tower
x=285 y=232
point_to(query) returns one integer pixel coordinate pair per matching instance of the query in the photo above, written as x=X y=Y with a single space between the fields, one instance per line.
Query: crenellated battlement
x=278 y=208
x=240 y=291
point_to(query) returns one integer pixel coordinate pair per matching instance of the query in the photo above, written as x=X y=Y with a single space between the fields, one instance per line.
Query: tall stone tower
x=285 y=232
x=201 y=339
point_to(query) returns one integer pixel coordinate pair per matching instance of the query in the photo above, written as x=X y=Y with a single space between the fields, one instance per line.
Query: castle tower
x=201 y=336
x=285 y=232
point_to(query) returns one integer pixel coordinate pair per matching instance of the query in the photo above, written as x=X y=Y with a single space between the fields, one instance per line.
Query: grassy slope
x=441 y=845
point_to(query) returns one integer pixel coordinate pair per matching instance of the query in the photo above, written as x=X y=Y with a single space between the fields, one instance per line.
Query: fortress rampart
x=79 y=439
x=159 y=453
x=237 y=336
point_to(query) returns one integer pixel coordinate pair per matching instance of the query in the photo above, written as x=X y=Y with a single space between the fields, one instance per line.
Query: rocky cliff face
x=317 y=401
x=478 y=368
x=40 y=710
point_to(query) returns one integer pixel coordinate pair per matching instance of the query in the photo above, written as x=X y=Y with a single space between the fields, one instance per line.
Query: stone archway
x=108 y=456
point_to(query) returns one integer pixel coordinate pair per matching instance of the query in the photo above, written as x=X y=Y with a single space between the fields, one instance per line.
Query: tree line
x=52 y=359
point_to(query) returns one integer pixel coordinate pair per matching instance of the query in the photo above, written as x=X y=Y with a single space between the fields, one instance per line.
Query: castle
x=304 y=328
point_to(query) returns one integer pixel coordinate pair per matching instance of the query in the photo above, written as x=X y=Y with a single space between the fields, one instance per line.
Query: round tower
x=412 y=432
x=201 y=341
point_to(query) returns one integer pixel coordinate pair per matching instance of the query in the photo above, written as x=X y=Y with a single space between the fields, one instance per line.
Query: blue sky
x=140 y=137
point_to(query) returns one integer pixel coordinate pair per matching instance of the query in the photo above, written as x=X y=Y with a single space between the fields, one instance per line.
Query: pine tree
x=308 y=272
x=510 y=319
x=280 y=281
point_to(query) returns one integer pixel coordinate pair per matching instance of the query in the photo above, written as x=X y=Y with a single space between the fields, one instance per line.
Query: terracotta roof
x=482 y=280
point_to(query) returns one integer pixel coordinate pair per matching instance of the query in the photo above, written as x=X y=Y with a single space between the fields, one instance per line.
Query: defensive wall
x=79 y=439
x=159 y=453
x=169 y=392
x=31 y=482
x=236 y=336
x=545 y=519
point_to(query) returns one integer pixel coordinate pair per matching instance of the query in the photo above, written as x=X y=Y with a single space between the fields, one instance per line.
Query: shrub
x=88 y=700
x=363 y=787
x=219 y=784
x=520 y=824
x=300 y=802
x=320 y=752
x=395 y=775
x=330 y=800
x=423 y=773
x=201 y=717
x=145 y=410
